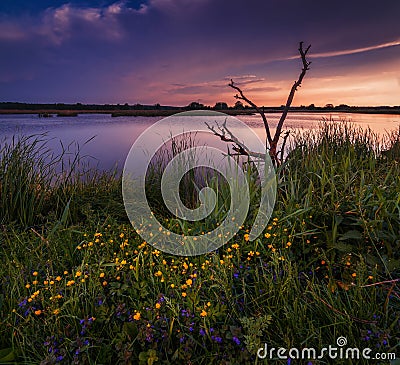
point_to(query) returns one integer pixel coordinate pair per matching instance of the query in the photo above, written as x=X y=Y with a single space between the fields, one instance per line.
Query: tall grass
x=192 y=182
x=36 y=184
x=26 y=177
x=338 y=174
x=86 y=289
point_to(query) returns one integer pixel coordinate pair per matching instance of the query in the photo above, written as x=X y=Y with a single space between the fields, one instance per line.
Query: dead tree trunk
x=271 y=141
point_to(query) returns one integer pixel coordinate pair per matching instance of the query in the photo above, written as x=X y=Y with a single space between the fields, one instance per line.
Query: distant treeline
x=10 y=106
x=80 y=106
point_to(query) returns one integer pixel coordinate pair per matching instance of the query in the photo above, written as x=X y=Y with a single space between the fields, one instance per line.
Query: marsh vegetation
x=79 y=285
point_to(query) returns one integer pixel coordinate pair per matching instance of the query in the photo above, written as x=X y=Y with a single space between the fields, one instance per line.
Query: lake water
x=113 y=137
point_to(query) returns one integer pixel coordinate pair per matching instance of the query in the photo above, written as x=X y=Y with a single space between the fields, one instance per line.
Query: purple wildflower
x=236 y=340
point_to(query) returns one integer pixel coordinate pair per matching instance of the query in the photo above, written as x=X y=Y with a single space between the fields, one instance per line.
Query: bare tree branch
x=227 y=136
x=296 y=85
x=272 y=142
x=241 y=96
x=282 y=150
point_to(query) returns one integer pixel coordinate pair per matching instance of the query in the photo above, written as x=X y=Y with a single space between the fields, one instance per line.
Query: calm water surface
x=113 y=137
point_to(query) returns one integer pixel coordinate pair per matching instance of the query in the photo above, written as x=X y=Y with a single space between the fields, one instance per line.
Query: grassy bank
x=78 y=285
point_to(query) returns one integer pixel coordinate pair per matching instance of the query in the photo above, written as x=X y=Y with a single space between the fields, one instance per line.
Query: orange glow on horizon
x=357 y=91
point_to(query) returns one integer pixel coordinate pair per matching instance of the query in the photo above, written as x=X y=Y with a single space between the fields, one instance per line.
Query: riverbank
x=115 y=112
x=79 y=285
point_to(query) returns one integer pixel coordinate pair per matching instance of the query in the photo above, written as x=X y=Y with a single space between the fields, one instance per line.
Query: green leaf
x=7 y=355
x=351 y=235
x=63 y=219
x=143 y=356
x=130 y=329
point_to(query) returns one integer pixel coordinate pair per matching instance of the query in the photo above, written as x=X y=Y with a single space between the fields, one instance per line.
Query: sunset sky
x=174 y=52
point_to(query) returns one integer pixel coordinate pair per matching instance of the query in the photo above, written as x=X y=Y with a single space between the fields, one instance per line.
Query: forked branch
x=272 y=142
x=226 y=135
x=241 y=96
x=296 y=85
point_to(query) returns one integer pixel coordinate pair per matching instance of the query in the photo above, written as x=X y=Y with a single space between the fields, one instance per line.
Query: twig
x=388 y=297
x=338 y=311
x=284 y=144
x=296 y=85
x=226 y=135
x=273 y=141
x=40 y=236
x=241 y=96
x=380 y=283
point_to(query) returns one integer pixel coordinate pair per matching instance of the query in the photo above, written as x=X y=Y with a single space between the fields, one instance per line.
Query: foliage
x=78 y=285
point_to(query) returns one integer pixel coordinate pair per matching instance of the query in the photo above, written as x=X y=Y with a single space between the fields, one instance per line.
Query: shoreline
x=113 y=113
x=168 y=112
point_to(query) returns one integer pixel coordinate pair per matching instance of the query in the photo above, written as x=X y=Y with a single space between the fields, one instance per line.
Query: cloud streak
x=350 y=51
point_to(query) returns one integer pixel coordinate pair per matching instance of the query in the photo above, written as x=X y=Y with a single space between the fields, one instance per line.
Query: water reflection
x=113 y=137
